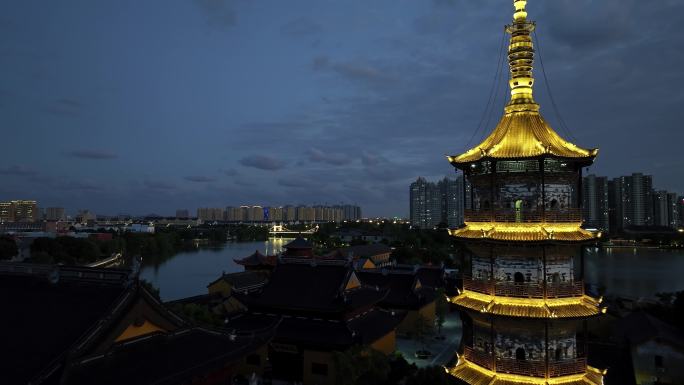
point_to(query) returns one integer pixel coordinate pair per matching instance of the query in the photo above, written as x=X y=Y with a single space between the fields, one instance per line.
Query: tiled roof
x=311 y=287
x=524 y=232
x=66 y=311
x=575 y=307
x=365 y=328
x=244 y=280
x=401 y=289
x=362 y=251
x=299 y=243
x=257 y=259
x=522 y=135
x=165 y=359
x=473 y=374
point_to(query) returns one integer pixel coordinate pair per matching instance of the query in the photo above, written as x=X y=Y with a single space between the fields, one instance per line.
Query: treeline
x=81 y=251
x=411 y=246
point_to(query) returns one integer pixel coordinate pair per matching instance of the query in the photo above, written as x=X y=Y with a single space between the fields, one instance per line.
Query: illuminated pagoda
x=523 y=298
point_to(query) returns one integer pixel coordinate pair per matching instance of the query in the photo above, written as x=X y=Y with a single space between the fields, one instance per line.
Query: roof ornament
x=53 y=277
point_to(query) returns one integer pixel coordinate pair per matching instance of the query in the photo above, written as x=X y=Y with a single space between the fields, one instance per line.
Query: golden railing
x=524 y=289
x=525 y=367
x=523 y=215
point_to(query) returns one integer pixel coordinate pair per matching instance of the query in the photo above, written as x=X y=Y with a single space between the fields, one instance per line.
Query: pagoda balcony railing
x=532 y=368
x=523 y=215
x=524 y=289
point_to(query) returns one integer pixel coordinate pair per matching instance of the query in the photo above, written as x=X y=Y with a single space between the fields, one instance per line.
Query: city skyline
x=121 y=121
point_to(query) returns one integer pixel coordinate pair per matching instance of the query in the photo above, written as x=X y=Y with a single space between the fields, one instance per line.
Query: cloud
x=318 y=156
x=17 y=170
x=199 y=179
x=92 y=154
x=218 y=12
x=353 y=70
x=262 y=162
x=230 y=172
x=158 y=185
x=301 y=27
x=65 y=107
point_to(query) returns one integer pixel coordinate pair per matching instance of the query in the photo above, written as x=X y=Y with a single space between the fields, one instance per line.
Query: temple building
x=321 y=308
x=84 y=325
x=523 y=295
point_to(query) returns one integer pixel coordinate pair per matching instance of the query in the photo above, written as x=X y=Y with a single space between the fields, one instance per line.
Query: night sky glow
x=148 y=106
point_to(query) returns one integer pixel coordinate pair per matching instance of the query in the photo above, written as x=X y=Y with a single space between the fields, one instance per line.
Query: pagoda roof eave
x=527 y=233
x=464 y=165
x=523 y=135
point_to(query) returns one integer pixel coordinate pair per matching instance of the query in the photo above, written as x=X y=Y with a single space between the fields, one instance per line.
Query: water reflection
x=635 y=272
x=625 y=272
x=188 y=273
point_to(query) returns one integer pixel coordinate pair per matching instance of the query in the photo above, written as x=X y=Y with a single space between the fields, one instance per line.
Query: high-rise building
x=432 y=204
x=672 y=210
x=182 y=214
x=210 y=214
x=19 y=211
x=595 y=202
x=523 y=296
x=350 y=212
x=660 y=208
x=631 y=201
x=680 y=210
x=425 y=204
x=451 y=191
x=55 y=214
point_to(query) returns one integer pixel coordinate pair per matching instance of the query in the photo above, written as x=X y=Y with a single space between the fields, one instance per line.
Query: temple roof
x=522 y=135
x=244 y=280
x=475 y=375
x=361 y=251
x=573 y=307
x=405 y=289
x=257 y=259
x=312 y=287
x=365 y=329
x=173 y=358
x=66 y=312
x=524 y=232
x=299 y=243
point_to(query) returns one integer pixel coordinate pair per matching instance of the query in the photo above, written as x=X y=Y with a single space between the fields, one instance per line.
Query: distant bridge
x=280 y=230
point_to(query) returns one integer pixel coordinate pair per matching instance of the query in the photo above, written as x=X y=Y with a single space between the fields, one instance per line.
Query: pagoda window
x=319 y=369
x=253 y=359
x=518 y=277
x=520 y=354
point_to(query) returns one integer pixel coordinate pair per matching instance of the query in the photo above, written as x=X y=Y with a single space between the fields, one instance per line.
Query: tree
x=433 y=375
x=358 y=366
x=441 y=309
x=421 y=328
x=8 y=248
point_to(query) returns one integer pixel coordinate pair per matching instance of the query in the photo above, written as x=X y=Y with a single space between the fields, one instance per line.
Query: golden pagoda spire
x=520 y=59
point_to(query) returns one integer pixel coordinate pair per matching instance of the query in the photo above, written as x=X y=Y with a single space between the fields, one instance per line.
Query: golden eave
x=524 y=232
x=573 y=307
x=522 y=135
x=476 y=375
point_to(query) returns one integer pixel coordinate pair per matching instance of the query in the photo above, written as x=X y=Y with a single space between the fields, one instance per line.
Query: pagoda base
x=474 y=374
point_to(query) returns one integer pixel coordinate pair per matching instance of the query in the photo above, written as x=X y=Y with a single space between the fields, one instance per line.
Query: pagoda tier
x=525 y=280
x=505 y=351
x=523 y=296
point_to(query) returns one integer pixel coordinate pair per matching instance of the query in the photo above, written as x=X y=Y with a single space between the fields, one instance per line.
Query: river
x=633 y=273
x=188 y=273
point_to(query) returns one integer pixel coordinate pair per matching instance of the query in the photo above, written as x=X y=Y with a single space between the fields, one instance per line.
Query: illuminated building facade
x=523 y=298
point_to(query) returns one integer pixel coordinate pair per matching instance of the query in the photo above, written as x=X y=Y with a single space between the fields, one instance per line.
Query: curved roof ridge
x=522 y=135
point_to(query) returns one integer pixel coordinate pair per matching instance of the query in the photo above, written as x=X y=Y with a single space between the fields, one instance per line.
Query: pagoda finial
x=520 y=59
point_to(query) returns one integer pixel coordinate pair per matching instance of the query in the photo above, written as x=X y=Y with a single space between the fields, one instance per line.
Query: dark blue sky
x=148 y=106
